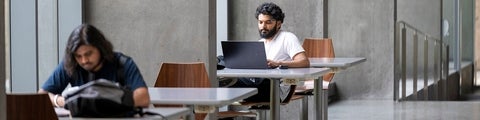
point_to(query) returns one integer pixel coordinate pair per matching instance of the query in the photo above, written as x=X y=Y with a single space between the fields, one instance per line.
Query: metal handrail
x=440 y=61
x=420 y=32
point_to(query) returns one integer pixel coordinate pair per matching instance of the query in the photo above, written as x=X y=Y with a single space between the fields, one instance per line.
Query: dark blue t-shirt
x=59 y=80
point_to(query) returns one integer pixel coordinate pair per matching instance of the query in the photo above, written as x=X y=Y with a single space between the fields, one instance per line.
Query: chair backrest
x=183 y=75
x=320 y=47
x=30 y=107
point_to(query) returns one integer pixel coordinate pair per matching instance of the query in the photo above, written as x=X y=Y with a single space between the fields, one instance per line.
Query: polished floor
x=467 y=109
x=390 y=110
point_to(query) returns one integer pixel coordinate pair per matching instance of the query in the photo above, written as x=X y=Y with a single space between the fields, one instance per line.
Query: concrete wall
x=364 y=28
x=359 y=28
x=154 y=31
x=303 y=18
x=477 y=35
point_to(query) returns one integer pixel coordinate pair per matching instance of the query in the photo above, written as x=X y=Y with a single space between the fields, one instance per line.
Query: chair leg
x=325 y=104
x=261 y=115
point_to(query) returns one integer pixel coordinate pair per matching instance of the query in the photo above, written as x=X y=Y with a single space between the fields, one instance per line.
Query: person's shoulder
x=286 y=32
x=288 y=35
x=119 y=55
x=122 y=57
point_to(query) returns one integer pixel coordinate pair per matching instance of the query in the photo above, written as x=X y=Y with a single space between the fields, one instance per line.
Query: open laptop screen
x=244 y=54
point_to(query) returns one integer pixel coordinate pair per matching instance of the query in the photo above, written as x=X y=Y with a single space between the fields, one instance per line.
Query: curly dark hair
x=86 y=34
x=270 y=9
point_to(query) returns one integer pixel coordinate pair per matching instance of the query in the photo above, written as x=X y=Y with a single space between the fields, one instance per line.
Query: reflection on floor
x=390 y=110
x=467 y=108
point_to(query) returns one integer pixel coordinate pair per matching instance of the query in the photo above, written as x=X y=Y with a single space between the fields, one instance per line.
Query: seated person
x=89 y=56
x=282 y=49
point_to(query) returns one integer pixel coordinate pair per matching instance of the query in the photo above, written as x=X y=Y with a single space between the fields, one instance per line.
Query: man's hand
x=273 y=64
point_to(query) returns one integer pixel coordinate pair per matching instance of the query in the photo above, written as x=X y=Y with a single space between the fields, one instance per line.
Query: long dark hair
x=86 y=34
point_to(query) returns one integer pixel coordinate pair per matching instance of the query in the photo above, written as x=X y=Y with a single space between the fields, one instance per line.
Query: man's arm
x=60 y=100
x=141 y=97
x=299 y=60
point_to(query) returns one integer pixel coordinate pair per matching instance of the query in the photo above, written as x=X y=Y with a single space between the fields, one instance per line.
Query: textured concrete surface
x=153 y=31
x=477 y=35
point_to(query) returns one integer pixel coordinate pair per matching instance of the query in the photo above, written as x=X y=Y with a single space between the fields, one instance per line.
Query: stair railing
x=428 y=54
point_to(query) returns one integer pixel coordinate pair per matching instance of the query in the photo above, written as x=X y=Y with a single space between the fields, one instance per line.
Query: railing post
x=425 y=69
x=435 y=72
x=415 y=64
x=396 y=53
x=445 y=65
x=404 y=64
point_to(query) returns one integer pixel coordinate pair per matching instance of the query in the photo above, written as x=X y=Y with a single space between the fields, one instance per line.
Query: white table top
x=335 y=62
x=199 y=96
x=168 y=113
x=273 y=73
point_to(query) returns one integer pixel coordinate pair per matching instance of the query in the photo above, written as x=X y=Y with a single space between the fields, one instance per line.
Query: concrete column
x=3 y=108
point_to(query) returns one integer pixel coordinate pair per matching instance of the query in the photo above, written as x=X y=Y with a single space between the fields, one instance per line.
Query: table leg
x=274 y=99
x=191 y=116
x=325 y=105
x=214 y=115
x=318 y=94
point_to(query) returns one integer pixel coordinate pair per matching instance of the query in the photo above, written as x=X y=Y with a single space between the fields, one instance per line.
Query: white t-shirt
x=283 y=47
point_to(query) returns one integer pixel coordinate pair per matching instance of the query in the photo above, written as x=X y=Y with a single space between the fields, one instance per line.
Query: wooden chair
x=30 y=107
x=320 y=47
x=183 y=75
x=192 y=74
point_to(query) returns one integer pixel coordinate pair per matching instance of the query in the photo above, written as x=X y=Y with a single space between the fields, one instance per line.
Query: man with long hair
x=89 y=56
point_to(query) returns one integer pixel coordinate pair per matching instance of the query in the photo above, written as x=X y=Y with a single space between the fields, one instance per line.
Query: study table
x=198 y=96
x=275 y=75
x=337 y=64
x=167 y=114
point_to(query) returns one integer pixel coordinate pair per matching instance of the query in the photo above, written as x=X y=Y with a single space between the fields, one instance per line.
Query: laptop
x=244 y=54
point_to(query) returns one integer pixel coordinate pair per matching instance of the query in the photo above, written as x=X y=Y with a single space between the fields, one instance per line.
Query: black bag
x=100 y=98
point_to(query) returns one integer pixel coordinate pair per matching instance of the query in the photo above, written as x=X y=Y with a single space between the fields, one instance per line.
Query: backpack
x=100 y=98
x=103 y=98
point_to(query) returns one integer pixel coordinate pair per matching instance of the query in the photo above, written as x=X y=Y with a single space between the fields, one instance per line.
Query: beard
x=91 y=67
x=268 y=33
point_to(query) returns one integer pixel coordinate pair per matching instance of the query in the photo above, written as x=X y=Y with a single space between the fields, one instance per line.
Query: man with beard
x=282 y=49
x=89 y=56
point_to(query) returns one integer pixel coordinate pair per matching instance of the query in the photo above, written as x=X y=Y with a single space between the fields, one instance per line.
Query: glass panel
x=450 y=30
x=467 y=30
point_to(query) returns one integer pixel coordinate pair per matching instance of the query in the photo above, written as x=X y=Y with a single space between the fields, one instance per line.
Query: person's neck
x=269 y=39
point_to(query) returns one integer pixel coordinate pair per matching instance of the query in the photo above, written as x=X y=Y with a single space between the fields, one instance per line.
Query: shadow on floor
x=474 y=96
